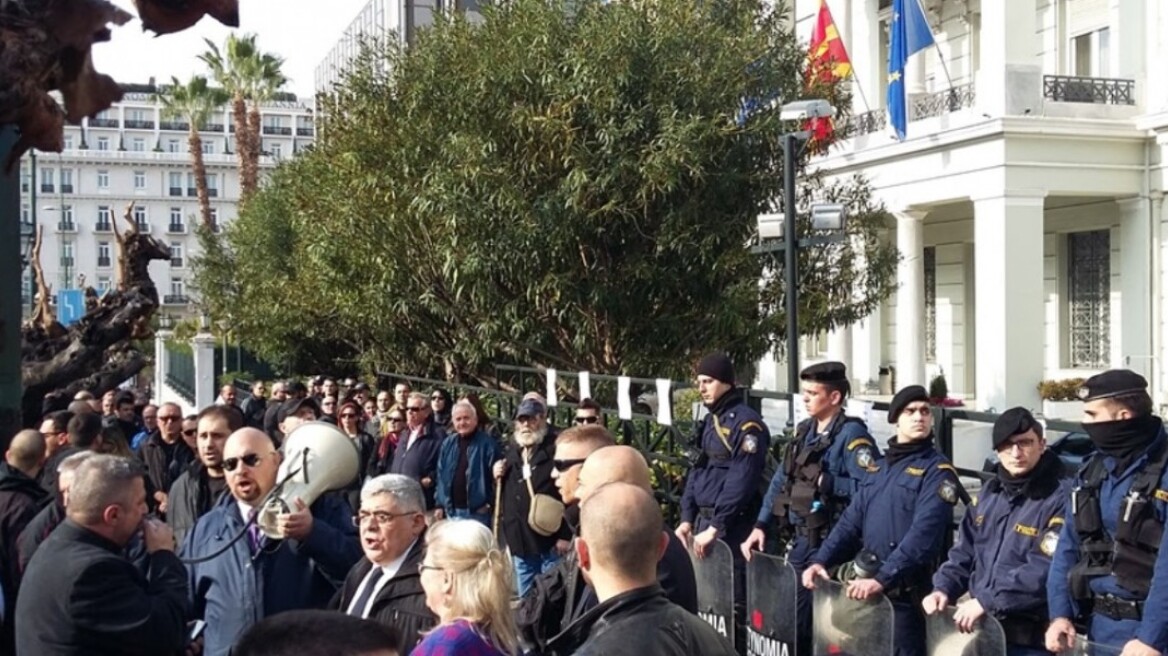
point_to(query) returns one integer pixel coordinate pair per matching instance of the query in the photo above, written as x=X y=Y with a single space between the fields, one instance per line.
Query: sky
x=300 y=31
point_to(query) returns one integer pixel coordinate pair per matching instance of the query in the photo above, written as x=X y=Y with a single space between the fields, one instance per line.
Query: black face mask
x=1123 y=438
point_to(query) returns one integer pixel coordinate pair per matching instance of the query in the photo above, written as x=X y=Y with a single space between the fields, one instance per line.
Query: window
x=47 y=181
x=212 y=185
x=103 y=283
x=103 y=254
x=208 y=147
x=25 y=179
x=66 y=181
x=175 y=182
x=176 y=219
x=68 y=142
x=177 y=287
x=104 y=218
x=277 y=150
x=139 y=179
x=176 y=254
x=103 y=179
x=930 y=258
x=103 y=143
x=172 y=146
x=1089 y=299
x=140 y=218
x=66 y=261
x=67 y=214
x=215 y=219
x=1091 y=54
x=138 y=145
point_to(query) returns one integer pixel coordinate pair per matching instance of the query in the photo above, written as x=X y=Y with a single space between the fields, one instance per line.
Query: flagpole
x=860 y=90
x=941 y=58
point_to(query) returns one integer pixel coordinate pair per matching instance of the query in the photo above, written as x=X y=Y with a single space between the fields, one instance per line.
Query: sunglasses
x=396 y=420
x=418 y=409
x=437 y=397
x=348 y=414
x=251 y=460
x=190 y=431
x=169 y=418
x=587 y=420
x=565 y=465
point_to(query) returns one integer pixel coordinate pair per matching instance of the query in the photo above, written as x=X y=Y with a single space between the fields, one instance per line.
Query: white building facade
x=130 y=153
x=1028 y=195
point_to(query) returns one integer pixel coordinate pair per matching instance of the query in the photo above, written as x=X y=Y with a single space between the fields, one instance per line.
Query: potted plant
x=1060 y=398
x=939 y=393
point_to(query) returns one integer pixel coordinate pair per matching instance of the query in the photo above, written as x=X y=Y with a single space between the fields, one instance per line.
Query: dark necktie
x=367 y=592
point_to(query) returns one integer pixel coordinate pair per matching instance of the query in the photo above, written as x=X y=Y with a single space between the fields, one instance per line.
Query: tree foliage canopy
x=566 y=184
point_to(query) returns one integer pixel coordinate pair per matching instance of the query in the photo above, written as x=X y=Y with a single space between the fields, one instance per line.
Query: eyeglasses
x=190 y=432
x=169 y=417
x=251 y=460
x=422 y=567
x=437 y=397
x=350 y=415
x=396 y=420
x=413 y=409
x=565 y=465
x=587 y=420
x=381 y=516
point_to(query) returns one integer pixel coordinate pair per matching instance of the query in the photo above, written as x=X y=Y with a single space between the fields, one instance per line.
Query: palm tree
x=194 y=102
x=248 y=75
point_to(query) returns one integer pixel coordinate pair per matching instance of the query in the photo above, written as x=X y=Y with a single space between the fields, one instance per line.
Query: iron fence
x=180 y=371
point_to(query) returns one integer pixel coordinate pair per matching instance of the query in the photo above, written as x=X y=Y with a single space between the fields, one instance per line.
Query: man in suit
x=385 y=585
x=81 y=595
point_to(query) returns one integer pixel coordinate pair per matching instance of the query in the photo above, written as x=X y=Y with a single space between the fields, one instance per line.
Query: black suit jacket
x=400 y=603
x=81 y=597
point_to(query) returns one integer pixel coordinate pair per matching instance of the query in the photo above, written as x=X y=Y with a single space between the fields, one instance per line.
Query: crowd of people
x=132 y=529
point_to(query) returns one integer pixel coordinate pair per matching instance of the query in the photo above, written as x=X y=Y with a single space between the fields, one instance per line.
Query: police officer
x=1110 y=569
x=897 y=522
x=721 y=494
x=819 y=474
x=1006 y=539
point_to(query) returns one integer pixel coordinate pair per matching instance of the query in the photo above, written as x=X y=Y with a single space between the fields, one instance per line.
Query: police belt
x=1115 y=608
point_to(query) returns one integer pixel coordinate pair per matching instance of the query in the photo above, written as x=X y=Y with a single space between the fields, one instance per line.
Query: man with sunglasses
x=417 y=450
x=260 y=576
x=587 y=413
x=165 y=454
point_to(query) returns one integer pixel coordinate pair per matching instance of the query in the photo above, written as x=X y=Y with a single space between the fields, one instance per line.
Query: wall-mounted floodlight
x=770 y=226
x=828 y=216
x=801 y=110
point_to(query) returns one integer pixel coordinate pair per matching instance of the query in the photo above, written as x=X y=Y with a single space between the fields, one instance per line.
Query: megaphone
x=318 y=458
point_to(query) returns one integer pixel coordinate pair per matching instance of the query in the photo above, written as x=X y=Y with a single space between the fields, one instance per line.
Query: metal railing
x=211 y=127
x=866 y=123
x=176 y=229
x=66 y=226
x=277 y=130
x=304 y=132
x=175 y=299
x=66 y=188
x=103 y=262
x=103 y=122
x=139 y=125
x=103 y=226
x=180 y=126
x=942 y=102
x=1095 y=90
x=180 y=371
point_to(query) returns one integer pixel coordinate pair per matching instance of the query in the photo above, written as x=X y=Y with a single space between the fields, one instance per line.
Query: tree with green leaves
x=193 y=103
x=568 y=184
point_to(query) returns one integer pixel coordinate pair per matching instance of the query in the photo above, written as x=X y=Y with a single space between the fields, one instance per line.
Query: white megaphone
x=318 y=458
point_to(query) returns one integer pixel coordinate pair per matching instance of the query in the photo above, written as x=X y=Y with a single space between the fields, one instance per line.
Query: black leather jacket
x=640 y=622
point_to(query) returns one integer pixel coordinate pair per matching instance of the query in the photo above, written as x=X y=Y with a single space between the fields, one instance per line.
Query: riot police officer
x=721 y=493
x=1110 y=570
x=819 y=473
x=898 y=521
x=1004 y=546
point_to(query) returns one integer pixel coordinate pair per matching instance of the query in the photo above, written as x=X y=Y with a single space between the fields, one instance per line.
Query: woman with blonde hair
x=467 y=580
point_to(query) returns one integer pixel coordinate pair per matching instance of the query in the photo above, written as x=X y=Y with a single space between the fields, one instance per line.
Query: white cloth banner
x=861 y=409
x=664 y=402
x=624 y=403
x=551 y=388
x=585 y=385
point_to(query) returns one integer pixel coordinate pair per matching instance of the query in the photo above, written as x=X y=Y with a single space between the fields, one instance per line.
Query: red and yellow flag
x=827 y=62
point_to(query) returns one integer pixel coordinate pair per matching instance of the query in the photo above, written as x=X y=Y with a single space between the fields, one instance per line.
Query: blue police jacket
x=1153 y=628
x=1005 y=542
x=735 y=441
x=481 y=454
x=901 y=514
x=849 y=459
x=236 y=589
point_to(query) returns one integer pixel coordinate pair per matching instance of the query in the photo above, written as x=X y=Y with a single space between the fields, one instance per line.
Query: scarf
x=1124 y=439
x=897 y=451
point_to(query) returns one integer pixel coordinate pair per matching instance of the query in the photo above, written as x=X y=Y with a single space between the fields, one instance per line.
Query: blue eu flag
x=910 y=34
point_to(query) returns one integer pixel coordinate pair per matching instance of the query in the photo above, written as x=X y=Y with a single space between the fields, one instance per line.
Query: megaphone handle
x=498 y=506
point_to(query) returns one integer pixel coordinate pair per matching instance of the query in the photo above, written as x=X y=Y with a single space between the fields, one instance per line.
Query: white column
x=1128 y=27
x=1135 y=297
x=1008 y=291
x=864 y=51
x=161 y=337
x=839 y=347
x=203 y=345
x=1010 y=76
x=910 y=299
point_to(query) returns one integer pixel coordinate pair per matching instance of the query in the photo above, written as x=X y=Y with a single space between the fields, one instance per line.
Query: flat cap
x=717 y=366
x=825 y=372
x=1014 y=421
x=1113 y=382
x=530 y=408
x=292 y=406
x=903 y=398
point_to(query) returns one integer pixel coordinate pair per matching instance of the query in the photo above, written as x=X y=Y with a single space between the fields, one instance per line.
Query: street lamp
x=824 y=216
x=27 y=239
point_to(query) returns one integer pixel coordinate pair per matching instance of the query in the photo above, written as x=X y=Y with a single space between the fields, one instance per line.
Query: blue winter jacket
x=236 y=589
x=481 y=455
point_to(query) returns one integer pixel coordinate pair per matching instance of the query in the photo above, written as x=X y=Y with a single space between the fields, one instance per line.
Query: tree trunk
x=196 y=148
x=243 y=146
x=254 y=133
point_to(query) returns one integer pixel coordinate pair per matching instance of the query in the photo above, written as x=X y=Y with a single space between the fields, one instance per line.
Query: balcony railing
x=866 y=123
x=143 y=226
x=192 y=191
x=215 y=227
x=103 y=122
x=212 y=192
x=66 y=188
x=942 y=102
x=66 y=226
x=176 y=262
x=176 y=299
x=277 y=130
x=46 y=188
x=304 y=132
x=211 y=127
x=1094 y=90
x=103 y=262
x=66 y=262
x=139 y=125
x=176 y=191
x=178 y=126
x=103 y=226
x=176 y=229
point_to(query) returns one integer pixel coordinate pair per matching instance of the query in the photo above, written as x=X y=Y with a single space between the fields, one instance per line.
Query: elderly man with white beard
x=526 y=472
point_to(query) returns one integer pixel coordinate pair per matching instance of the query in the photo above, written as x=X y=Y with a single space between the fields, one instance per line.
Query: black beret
x=292 y=406
x=825 y=372
x=1014 y=421
x=1114 y=382
x=718 y=367
x=903 y=398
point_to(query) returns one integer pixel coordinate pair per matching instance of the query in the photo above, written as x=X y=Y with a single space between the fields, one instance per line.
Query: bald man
x=21 y=498
x=318 y=545
x=622 y=538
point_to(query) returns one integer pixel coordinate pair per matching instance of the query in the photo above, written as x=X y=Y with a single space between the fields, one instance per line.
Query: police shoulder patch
x=864 y=458
x=948 y=491
x=859 y=441
x=750 y=444
x=1049 y=542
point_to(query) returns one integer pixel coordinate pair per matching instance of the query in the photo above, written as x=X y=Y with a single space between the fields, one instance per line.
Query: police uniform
x=722 y=488
x=817 y=478
x=900 y=515
x=1006 y=541
x=1110 y=570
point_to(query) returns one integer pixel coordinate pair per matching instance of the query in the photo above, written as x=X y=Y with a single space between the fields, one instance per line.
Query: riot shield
x=846 y=626
x=715 y=578
x=771 y=586
x=945 y=639
x=1083 y=647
